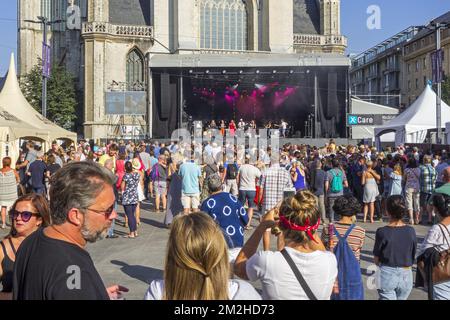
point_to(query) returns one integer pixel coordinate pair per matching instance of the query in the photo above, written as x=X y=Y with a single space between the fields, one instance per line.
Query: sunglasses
x=106 y=212
x=24 y=215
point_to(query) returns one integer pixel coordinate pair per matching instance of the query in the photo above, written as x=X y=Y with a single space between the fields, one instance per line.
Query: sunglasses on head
x=24 y=215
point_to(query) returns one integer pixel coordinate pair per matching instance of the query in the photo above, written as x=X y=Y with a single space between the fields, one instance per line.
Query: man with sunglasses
x=52 y=263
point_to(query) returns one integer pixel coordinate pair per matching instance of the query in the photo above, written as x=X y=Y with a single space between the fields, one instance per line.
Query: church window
x=135 y=71
x=223 y=24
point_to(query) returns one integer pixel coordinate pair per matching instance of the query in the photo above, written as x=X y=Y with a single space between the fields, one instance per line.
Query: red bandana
x=306 y=228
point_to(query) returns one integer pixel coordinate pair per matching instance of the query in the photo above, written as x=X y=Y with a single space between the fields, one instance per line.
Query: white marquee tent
x=412 y=125
x=18 y=119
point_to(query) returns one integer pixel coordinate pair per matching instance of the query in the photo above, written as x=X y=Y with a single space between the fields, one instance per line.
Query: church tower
x=330 y=21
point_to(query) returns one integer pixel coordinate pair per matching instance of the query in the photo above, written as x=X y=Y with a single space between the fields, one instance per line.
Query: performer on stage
x=283 y=126
x=232 y=127
x=241 y=125
x=212 y=125
x=222 y=127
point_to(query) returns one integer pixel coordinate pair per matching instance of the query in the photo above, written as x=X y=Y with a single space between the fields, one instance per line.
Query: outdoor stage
x=306 y=91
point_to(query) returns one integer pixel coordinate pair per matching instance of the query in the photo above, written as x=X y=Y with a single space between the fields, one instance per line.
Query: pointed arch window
x=135 y=71
x=223 y=24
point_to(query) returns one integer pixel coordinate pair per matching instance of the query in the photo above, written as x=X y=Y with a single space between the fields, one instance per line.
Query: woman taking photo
x=299 y=220
x=394 y=252
x=28 y=214
x=370 y=182
x=197 y=265
x=298 y=176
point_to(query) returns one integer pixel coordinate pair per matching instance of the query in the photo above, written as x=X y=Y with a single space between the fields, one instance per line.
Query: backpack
x=154 y=174
x=232 y=171
x=336 y=183
x=349 y=271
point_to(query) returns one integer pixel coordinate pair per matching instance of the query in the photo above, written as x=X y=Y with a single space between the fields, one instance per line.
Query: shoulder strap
x=442 y=227
x=5 y=254
x=298 y=275
x=12 y=246
x=346 y=234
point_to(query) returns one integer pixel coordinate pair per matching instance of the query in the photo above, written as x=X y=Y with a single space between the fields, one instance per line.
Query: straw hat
x=136 y=164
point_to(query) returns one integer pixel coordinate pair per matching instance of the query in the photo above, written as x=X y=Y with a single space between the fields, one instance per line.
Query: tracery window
x=135 y=71
x=223 y=24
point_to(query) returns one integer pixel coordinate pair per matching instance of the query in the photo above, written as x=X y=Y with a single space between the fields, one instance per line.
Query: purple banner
x=46 y=60
x=437 y=59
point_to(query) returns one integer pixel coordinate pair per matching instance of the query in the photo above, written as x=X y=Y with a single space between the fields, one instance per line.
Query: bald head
x=446 y=175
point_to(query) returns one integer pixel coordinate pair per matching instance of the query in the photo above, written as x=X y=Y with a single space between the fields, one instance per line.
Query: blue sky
x=396 y=15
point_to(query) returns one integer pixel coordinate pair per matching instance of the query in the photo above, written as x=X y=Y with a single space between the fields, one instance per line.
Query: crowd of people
x=312 y=200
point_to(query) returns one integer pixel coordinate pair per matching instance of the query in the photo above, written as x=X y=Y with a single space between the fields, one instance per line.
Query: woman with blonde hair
x=370 y=181
x=302 y=254
x=197 y=265
x=396 y=181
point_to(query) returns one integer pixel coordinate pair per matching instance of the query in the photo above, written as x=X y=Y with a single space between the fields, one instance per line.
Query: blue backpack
x=349 y=271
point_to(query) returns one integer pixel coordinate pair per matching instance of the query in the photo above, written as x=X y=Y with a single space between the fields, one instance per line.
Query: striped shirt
x=355 y=238
x=427 y=178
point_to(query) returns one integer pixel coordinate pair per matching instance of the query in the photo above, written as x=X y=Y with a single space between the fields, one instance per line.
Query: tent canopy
x=13 y=105
x=412 y=125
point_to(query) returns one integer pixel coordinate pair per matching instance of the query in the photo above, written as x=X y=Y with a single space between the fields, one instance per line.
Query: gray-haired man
x=52 y=263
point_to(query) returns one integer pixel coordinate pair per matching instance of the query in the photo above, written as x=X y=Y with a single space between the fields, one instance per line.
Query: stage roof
x=249 y=60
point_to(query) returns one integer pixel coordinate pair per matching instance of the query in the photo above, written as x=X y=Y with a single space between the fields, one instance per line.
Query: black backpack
x=232 y=171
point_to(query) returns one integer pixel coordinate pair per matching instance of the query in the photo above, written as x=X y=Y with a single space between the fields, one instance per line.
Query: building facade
x=396 y=71
x=417 y=59
x=377 y=74
x=113 y=48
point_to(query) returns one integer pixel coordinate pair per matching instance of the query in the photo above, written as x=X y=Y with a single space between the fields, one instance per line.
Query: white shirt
x=238 y=290
x=247 y=177
x=435 y=238
x=319 y=269
x=283 y=125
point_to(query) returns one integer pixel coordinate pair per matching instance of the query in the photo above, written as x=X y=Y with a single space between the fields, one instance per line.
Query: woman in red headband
x=303 y=269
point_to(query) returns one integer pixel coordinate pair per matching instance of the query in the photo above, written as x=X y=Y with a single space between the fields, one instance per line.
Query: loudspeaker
x=165 y=95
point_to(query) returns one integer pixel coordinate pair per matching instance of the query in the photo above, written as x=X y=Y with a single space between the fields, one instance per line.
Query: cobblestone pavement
x=134 y=263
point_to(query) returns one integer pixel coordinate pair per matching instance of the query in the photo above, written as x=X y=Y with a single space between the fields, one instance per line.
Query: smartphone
x=288 y=193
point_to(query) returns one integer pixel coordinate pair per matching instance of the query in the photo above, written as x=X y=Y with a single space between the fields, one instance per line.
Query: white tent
x=359 y=106
x=13 y=103
x=412 y=125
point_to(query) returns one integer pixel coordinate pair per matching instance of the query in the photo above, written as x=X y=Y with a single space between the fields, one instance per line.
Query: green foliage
x=61 y=96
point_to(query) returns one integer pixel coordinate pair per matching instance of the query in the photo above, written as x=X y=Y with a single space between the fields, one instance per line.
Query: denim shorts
x=247 y=195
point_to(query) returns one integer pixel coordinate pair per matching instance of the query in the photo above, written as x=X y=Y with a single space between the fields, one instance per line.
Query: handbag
x=441 y=271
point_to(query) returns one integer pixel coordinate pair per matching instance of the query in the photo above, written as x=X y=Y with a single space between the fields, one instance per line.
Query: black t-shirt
x=319 y=182
x=37 y=170
x=395 y=246
x=50 y=269
x=53 y=168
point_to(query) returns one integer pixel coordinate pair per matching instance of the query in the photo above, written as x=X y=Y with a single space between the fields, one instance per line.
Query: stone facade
x=417 y=60
x=97 y=54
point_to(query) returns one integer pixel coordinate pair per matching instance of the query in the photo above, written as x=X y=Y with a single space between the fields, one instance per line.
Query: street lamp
x=438 y=26
x=45 y=75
